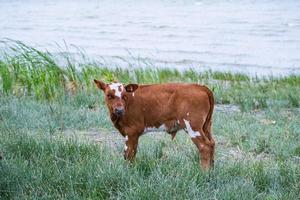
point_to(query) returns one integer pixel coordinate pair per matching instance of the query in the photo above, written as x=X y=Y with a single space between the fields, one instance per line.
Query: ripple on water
x=260 y=37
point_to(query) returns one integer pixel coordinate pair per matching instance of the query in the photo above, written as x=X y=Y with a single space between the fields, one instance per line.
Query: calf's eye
x=109 y=96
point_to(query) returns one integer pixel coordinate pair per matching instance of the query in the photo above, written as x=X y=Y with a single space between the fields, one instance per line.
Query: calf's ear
x=100 y=84
x=131 y=87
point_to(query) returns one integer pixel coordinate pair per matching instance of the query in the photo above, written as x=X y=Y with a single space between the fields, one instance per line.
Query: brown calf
x=135 y=109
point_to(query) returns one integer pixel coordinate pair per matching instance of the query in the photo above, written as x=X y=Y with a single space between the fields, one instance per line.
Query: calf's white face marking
x=118 y=87
x=193 y=134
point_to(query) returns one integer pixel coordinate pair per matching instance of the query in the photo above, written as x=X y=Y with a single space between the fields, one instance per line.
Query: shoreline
x=26 y=71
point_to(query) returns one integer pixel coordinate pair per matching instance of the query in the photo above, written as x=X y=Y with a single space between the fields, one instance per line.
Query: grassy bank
x=26 y=71
x=57 y=141
x=64 y=150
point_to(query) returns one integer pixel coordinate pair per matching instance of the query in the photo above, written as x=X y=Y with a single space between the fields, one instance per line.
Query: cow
x=135 y=109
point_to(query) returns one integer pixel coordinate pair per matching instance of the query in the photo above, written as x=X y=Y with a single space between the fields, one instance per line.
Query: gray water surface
x=258 y=37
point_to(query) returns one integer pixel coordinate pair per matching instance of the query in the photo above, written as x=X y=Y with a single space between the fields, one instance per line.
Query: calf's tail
x=207 y=123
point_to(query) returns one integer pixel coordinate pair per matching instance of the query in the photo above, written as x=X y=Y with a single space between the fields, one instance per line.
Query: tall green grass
x=27 y=71
x=58 y=142
x=50 y=152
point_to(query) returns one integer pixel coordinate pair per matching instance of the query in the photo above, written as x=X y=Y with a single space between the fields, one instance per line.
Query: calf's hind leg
x=204 y=144
x=212 y=144
x=206 y=150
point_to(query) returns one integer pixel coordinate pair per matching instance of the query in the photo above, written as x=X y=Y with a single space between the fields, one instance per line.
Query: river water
x=258 y=37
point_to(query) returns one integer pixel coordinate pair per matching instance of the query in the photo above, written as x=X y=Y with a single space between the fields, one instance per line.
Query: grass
x=26 y=71
x=50 y=152
x=57 y=141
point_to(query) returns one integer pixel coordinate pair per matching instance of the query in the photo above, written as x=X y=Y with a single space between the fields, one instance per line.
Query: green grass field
x=57 y=141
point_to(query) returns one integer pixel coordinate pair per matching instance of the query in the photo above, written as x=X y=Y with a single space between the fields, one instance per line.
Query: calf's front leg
x=131 y=143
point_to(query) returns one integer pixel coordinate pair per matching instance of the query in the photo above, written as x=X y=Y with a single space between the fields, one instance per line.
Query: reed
x=27 y=71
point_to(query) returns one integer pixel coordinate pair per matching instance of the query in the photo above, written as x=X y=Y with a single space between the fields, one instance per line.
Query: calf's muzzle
x=119 y=110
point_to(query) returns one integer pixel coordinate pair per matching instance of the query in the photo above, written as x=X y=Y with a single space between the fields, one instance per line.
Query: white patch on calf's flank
x=188 y=114
x=118 y=87
x=193 y=134
x=133 y=94
x=125 y=147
